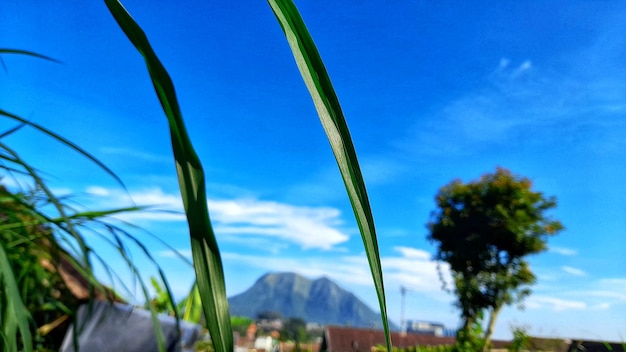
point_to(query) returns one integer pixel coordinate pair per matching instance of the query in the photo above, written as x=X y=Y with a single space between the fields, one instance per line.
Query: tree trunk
x=492 y=322
x=463 y=334
x=467 y=326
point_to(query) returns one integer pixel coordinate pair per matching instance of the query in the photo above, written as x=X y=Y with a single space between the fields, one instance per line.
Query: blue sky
x=432 y=92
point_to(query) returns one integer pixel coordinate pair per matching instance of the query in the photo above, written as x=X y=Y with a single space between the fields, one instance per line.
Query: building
x=349 y=339
x=425 y=328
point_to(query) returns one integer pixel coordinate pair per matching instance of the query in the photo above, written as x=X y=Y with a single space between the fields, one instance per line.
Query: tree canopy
x=484 y=230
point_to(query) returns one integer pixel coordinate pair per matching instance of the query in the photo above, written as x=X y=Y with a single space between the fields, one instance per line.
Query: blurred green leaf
x=14 y=316
x=206 y=255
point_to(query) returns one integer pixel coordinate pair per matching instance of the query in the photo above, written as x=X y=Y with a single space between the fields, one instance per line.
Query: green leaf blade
x=206 y=255
x=318 y=83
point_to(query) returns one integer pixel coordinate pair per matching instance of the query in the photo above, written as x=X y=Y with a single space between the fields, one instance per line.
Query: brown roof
x=348 y=339
x=596 y=346
x=77 y=282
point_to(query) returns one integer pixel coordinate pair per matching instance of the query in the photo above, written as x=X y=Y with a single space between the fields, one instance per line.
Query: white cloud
x=251 y=219
x=602 y=306
x=98 y=191
x=573 y=271
x=310 y=227
x=16 y=181
x=504 y=63
x=525 y=66
x=168 y=253
x=408 y=252
x=553 y=303
x=344 y=269
x=136 y=154
x=534 y=104
x=415 y=270
x=411 y=269
x=156 y=197
x=613 y=289
x=563 y=251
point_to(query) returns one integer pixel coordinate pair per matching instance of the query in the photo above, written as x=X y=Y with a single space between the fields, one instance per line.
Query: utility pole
x=402 y=321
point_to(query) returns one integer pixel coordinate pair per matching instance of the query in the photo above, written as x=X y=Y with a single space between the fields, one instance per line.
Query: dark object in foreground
x=114 y=327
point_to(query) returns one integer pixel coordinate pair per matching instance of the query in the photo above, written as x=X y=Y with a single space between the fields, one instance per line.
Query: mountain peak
x=319 y=301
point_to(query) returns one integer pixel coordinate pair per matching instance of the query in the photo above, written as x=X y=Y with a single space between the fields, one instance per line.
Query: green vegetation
x=294 y=329
x=472 y=339
x=440 y=348
x=43 y=247
x=521 y=340
x=240 y=324
x=485 y=229
x=16 y=323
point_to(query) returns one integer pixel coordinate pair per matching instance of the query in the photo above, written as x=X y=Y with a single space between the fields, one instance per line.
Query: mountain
x=317 y=301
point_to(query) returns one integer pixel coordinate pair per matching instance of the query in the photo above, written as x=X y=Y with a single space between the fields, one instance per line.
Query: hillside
x=321 y=301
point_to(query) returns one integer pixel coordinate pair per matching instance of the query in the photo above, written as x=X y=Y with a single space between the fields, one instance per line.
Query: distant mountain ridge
x=318 y=301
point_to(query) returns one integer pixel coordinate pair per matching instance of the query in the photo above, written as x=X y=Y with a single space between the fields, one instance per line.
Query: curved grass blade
x=15 y=317
x=28 y=53
x=192 y=305
x=23 y=52
x=65 y=141
x=320 y=87
x=206 y=255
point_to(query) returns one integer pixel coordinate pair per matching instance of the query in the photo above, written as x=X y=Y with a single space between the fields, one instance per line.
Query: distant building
x=270 y=324
x=425 y=328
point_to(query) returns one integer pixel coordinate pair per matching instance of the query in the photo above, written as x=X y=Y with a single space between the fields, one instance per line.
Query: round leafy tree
x=484 y=230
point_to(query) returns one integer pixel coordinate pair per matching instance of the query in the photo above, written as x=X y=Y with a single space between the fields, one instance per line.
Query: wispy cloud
x=415 y=270
x=553 y=303
x=136 y=154
x=309 y=227
x=599 y=294
x=413 y=253
x=573 y=271
x=612 y=291
x=411 y=268
x=168 y=253
x=534 y=104
x=563 y=251
x=255 y=221
x=346 y=269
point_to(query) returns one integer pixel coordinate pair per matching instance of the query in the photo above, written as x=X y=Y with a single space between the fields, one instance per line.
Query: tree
x=240 y=324
x=484 y=230
x=269 y=315
x=294 y=329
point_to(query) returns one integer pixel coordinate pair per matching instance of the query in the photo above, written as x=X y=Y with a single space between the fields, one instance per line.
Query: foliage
x=204 y=346
x=42 y=237
x=521 y=340
x=36 y=249
x=269 y=315
x=240 y=324
x=294 y=329
x=205 y=251
x=485 y=229
x=43 y=292
x=162 y=302
x=439 y=348
x=471 y=340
